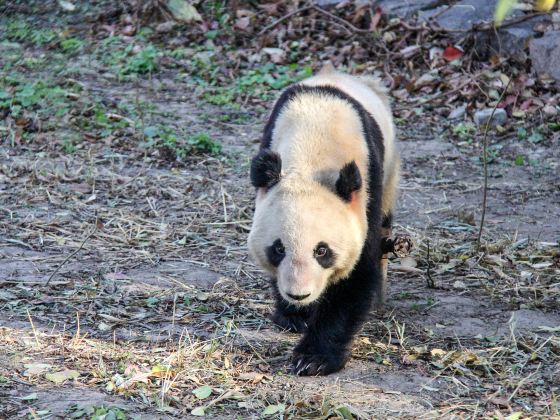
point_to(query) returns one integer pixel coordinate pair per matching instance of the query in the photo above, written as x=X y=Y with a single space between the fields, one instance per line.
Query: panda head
x=306 y=234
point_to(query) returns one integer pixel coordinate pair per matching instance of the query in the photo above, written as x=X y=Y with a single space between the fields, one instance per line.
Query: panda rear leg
x=386 y=232
x=399 y=245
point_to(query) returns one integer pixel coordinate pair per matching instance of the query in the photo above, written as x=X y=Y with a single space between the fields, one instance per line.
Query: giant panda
x=326 y=177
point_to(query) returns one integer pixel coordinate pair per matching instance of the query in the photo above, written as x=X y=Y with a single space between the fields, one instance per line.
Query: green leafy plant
x=71 y=46
x=20 y=30
x=464 y=130
x=202 y=142
x=143 y=62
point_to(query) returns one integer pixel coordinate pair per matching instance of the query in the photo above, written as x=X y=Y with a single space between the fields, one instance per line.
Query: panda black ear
x=349 y=180
x=265 y=169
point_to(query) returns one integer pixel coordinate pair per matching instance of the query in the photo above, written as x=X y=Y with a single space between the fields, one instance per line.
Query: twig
x=522 y=382
x=340 y=20
x=485 y=165
x=449 y=92
x=282 y=19
x=33 y=328
x=429 y=279
x=334 y=17
x=71 y=255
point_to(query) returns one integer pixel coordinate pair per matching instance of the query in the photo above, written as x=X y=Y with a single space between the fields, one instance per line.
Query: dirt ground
x=131 y=269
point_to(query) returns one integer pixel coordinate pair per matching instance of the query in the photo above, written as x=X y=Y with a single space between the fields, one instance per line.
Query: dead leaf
x=243 y=23
x=33 y=369
x=452 y=53
x=62 y=376
x=183 y=11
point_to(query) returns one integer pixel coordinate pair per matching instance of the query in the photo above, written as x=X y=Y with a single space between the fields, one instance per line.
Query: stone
x=406 y=9
x=463 y=15
x=277 y=55
x=481 y=117
x=545 y=55
x=458 y=112
x=510 y=40
x=165 y=27
x=326 y=3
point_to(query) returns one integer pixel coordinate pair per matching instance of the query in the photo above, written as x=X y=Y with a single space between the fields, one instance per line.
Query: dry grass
x=152 y=299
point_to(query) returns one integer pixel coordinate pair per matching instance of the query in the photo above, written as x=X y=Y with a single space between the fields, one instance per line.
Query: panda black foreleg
x=287 y=316
x=326 y=345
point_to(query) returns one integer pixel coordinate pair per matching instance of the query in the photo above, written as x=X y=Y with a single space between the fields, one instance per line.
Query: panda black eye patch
x=324 y=255
x=276 y=253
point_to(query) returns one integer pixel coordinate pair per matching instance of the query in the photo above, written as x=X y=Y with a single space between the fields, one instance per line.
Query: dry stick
x=485 y=165
x=33 y=328
x=282 y=19
x=318 y=9
x=71 y=255
x=342 y=21
x=429 y=278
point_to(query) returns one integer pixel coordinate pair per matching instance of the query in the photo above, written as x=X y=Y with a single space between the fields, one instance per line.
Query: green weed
x=202 y=142
x=464 y=130
x=35 y=97
x=142 y=63
x=21 y=31
x=71 y=46
x=97 y=412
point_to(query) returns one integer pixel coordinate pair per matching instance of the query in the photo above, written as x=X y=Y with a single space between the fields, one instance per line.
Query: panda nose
x=298 y=297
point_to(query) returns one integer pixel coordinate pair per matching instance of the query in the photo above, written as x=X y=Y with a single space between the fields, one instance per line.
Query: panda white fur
x=326 y=178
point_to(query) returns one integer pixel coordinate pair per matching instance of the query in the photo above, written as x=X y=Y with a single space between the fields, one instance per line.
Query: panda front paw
x=315 y=364
x=290 y=322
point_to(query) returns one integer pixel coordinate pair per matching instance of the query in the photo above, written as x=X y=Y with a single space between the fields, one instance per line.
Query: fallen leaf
x=62 y=376
x=202 y=392
x=544 y=6
x=452 y=53
x=30 y=397
x=273 y=409
x=198 y=411
x=183 y=11
x=36 y=368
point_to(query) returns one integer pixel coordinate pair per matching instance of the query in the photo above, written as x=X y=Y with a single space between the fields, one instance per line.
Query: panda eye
x=321 y=251
x=275 y=253
x=279 y=249
x=324 y=255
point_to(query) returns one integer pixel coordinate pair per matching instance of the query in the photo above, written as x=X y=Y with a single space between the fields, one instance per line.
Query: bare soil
x=132 y=269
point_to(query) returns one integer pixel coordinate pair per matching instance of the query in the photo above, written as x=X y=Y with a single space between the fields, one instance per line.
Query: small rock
x=166 y=27
x=481 y=117
x=389 y=36
x=457 y=113
x=409 y=262
x=435 y=52
x=129 y=30
x=326 y=2
x=525 y=275
x=277 y=55
x=459 y=285
x=463 y=15
x=425 y=80
x=545 y=55
x=550 y=110
x=406 y=9
x=411 y=50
